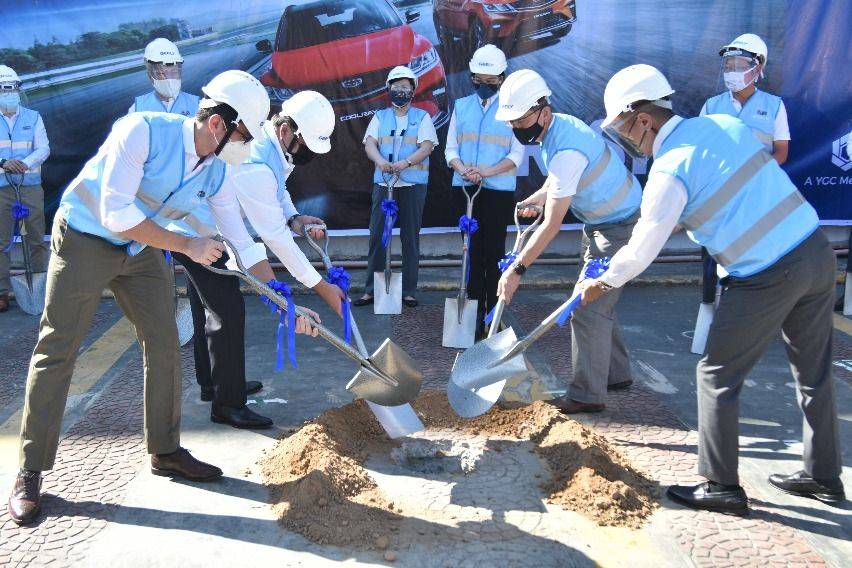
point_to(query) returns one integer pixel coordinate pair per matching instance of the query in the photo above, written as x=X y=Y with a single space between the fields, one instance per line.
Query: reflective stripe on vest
x=483 y=141
x=417 y=173
x=740 y=205
x=759 y=113
x=184 y=105
x=19 y=143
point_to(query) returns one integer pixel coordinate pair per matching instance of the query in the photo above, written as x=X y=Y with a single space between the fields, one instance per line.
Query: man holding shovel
x=481 y=148
x=583 y=175
x=23 y=149
x=712 y=176
x=300 y=131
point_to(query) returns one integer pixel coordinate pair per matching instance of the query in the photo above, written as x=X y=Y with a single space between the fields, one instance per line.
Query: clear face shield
x=11 y=96
x=739 y=70
x=166 y=78
x=628 y=134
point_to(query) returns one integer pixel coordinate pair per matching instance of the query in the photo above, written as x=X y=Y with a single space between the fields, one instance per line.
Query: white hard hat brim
x=318 y=145
x=507 y=114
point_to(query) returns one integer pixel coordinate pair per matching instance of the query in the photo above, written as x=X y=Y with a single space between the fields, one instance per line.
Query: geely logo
x=352 y=83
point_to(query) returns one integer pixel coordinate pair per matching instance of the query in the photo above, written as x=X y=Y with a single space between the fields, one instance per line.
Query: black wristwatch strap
x=2 y=161
x=519 y=268
x=291 y=219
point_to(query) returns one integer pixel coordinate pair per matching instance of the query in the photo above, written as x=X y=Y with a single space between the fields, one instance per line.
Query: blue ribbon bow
x=283 y=290
x=340 y=278
x=391 y=210
x=503 y=264
x=468 y=225
x=594 y=269
x=19 y=213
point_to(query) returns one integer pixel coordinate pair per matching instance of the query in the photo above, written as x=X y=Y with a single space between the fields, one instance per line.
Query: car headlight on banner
x=423 y=63
x=498 y=8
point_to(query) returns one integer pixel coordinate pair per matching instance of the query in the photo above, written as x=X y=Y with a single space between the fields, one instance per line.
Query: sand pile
x=320 y=489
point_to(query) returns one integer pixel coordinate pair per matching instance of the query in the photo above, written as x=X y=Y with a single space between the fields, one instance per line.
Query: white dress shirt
x=41 y=146
x=663 y=201
x=126 y=150
x=257 y=192
x=451 y=152
x=168 y=104
x=426 y=131
x=781 y=130
x=564 y=172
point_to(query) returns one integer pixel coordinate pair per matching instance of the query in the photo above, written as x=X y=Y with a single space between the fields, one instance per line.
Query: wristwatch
x=519 y=268
x=603 y=285
x=407 y=161
x=291 y=219
x=2 y=161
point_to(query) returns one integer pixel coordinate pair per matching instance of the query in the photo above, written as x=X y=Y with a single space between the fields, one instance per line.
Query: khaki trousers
x=33 y=197
x=80 y=268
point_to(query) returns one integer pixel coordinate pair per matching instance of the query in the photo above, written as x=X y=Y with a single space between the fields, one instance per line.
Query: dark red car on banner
x=344 y=49
x=500 y=22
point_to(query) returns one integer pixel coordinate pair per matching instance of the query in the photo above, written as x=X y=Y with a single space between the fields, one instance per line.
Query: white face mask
x=736 y=81
x=168 y=88
x=235 y=153
x=9 y=102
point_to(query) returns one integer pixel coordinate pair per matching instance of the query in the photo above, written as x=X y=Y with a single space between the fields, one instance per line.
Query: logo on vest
x=201 y=194
x=841 y=153
x=762 y=112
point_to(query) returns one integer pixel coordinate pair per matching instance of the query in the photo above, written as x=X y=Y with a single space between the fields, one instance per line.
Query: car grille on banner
x=354 y=87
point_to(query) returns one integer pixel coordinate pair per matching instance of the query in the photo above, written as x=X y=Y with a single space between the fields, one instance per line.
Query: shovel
x=706 y=310
x=389 y=377
x=459 y=312
x=388 y=285
x=398 y=421
x=183 y=311
x=473 y=398
x=29 y=288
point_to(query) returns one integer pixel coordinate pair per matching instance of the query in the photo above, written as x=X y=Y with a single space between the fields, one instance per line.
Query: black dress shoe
x=180 y=463
x=410 y=302
x=711 y=497
x=252 y=387
x=24 y=503
x=802 y=484
x=623 y=385
x=239 y=417
x=363 y=301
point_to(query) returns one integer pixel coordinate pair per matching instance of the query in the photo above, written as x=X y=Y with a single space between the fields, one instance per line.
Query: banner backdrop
x=82 y=67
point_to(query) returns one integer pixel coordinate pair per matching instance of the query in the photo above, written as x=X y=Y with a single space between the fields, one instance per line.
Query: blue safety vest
x=741 y=206
x=418 y=173
x=163 y=195
x=483 y=141
x=19 y=142
x=607 y=192
x=185 y=104
x=758 y=112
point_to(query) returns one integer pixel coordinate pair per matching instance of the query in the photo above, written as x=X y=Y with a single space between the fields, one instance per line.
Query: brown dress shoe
x=25 y=500
x=4 y=302
x=182 y=464
x=568 y=406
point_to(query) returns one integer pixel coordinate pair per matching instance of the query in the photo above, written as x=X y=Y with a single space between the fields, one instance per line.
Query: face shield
x=739 y=69
x=625 y=131
x=166 y=78
x=11 y=96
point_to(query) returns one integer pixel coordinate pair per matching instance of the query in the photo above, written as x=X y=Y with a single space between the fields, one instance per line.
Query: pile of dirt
x=320 y=489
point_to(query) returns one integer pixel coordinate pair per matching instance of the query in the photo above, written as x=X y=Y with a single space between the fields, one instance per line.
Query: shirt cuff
x=123 y=219
x=450 y=155
x=310 y=278
x=250 y=256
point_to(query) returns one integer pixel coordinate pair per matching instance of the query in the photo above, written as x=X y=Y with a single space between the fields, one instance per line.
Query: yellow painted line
x=843 y=324
x=91 y=366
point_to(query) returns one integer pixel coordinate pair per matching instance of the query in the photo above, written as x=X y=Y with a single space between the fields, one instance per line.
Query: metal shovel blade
x=183 y=319
x=391 y=360
x=388 y=298
x=30 y=300
x=702 y=328
x=459 y=332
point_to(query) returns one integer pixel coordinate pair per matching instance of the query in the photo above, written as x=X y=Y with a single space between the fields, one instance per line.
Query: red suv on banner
x=345 y=49
x=505 y=24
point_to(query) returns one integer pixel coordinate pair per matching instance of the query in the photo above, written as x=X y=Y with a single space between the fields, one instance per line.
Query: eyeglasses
x=245 y=137
x=518 y=122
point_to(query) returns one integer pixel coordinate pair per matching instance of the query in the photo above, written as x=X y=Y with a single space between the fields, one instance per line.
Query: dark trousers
x=493 y=210
x=218 y=317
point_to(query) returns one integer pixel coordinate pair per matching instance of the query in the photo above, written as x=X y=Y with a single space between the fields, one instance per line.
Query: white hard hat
x=631 y=84
x=748 y=42
x=162 y=50
x=314 y=119
x=488 y=60
x=519 y=93
x=244 y=94
x=8 y=75
x=401 y=72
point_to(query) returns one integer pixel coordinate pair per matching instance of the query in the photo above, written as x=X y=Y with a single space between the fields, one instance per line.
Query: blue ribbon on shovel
x=283 y=289
x=594 y=269
x=340 y=278
x=391 y=210
x=19 y=213
x=469 y=226
x=503 y=264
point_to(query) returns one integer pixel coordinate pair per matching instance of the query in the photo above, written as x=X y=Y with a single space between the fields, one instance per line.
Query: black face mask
x=400 y=98
x=528 y=136
x=485 y=91
x=301 y=157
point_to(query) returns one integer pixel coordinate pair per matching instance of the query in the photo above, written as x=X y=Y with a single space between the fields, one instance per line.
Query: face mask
x=168 y=88
x=485 y=91
x=9 y=101
x=235 y=153
x=400 y=98
x=528 y=136
x=302 y=156
x=736 y=81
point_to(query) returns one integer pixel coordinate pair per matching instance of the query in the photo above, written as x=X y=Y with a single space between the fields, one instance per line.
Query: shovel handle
x=25 y=245
x=322 y=249
x=522 y=235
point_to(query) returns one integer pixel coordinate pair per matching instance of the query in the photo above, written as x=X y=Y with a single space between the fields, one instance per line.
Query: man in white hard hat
x=399 y=140
x=743 y=65
x=712 y=176
x=164 y=65
x=152 y=169
x=302 y=129
x=23 y=149
x=583 y=175
x=481 y=148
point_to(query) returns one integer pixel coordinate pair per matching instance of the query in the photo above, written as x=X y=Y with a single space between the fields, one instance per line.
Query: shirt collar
x=664 y=132
x=269 y=128
x=14 y=116
x=189 y=142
